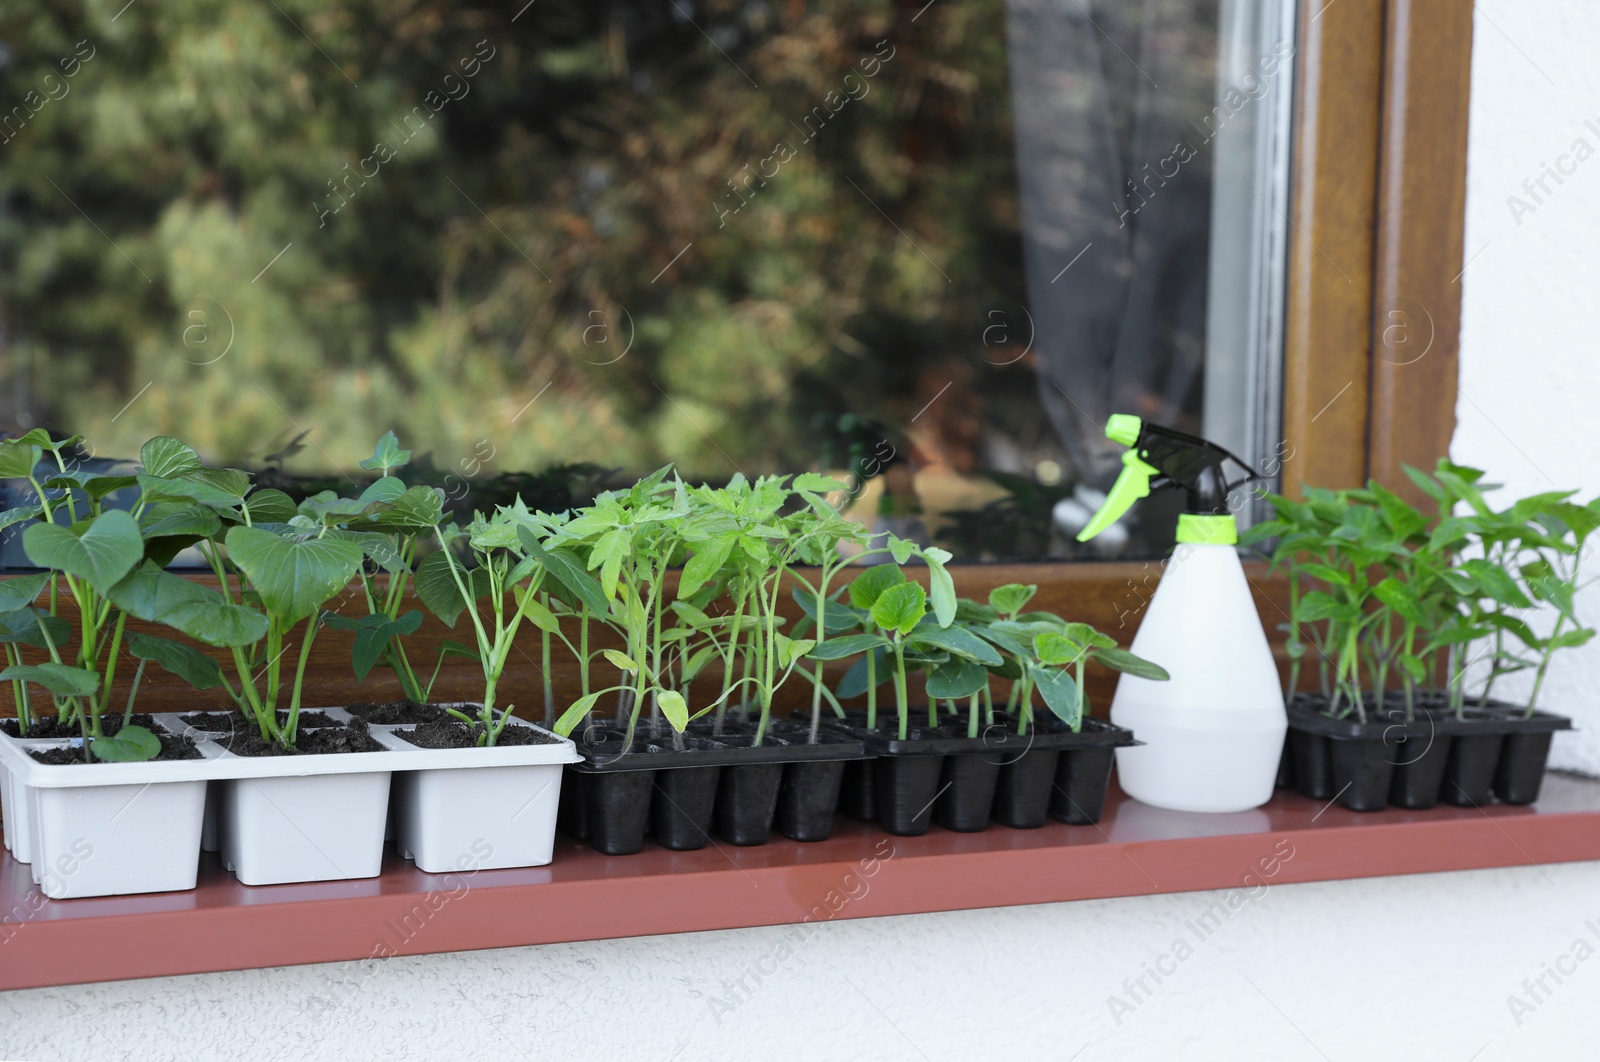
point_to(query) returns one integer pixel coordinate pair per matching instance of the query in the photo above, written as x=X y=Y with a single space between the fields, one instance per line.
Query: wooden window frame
x=1378 y=187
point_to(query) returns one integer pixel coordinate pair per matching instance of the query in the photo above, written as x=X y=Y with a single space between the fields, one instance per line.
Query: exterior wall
x=1530 y=374
x=1288 y=974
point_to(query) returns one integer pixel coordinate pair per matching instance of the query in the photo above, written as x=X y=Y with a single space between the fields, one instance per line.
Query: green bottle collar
x=1199 y=529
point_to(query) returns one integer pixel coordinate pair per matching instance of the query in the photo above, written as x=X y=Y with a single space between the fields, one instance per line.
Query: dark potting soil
x=399 y=713
x=222 y=722
x=51 y=728
x=172 y=748
x=454 y=734
x=321 y=741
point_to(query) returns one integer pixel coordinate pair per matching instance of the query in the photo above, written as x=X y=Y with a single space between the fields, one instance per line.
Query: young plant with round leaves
x=103 y=556
x=908 y=636
x=400 y=522
x=830 y=542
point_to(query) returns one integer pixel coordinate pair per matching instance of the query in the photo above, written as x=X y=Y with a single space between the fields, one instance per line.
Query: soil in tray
x=322 y=741
x=222 y=722
x=399 y=713
x=50 y=728
x=172 y=748
x=454 y=734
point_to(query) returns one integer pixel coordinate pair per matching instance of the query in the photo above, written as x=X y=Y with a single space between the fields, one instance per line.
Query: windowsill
x=861 y=872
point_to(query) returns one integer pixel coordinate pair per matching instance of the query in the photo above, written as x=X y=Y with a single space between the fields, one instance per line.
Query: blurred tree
x=620 y=231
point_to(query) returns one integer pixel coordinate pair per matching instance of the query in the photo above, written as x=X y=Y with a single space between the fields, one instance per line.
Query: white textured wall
x=1529 y=405
x=1298 y=973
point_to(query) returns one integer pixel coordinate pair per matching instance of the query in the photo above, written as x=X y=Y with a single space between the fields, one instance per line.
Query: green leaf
x=574 y=715
x=1495 y=583
x=20 y=591
x=1570 y=639
x=387 y=455
x=167 y=458
x=621 y=661
x=564 y=569
x=941 y=588
x=1402 y=519
x=293 y=578
x=374 y=632
x=840 y=617
x=924 y=656
x=1137 y=666
x=1011 y=598
x=157 y=488
x=541 y=616
x=21 y=626
x=1317 y=606
x=1055 y=650
x=900 y=608
x=956 y=640
x=449 y=647
x=99 y=551
x=418 y=509
x=189 y=521
x=132 y=744
x=854 y=682
x=93 y=484
x=59 y=679
x=157 y=596
x=1400 y=597
x=1007 y=636
x=184 y=661
x=674 y=708
x=817 y=483
x=697 y=662
x=870 y=584
x=1427 y=484
x=705 y=563
x=269 y=506
x=327 y=508
x=1060 y=693
x=11 y=517
x=1414 y=667
x=607 y=555
x=901 y=549
x=436 y=586
x=17 y=459
x=382 y=491
x=41 y=438
x=1329 y=575
x=958 y=678
x=850 y=645
x=791 y=648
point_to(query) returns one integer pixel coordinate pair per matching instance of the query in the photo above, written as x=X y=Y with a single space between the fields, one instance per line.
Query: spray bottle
x=1213 y=734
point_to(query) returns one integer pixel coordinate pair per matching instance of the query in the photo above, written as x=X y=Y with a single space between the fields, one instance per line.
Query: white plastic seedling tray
x=110 y=828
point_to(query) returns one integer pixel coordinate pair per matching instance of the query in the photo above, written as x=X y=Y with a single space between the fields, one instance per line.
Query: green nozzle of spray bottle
x=1158 y=457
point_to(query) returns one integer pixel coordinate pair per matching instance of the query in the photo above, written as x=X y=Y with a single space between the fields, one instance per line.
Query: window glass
x=929 y=246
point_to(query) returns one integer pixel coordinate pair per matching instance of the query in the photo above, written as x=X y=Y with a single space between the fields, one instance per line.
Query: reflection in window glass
x=930 y=249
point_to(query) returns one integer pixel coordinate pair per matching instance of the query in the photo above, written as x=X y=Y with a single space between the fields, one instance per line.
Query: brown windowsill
x=861 y=872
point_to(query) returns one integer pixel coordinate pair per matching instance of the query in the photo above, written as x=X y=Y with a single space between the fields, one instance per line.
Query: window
x=935 y=247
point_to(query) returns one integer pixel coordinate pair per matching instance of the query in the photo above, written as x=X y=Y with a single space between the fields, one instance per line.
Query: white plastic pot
x=478 y=818
x=105 y=829
x=14 y=805
x=478 y=808
x=316 y=827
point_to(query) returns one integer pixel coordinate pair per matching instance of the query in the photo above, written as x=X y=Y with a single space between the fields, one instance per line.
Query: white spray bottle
x=1212 y=735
